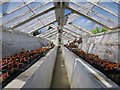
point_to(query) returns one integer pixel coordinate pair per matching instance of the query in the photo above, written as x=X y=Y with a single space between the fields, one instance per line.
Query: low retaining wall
x=83 y=75
x=38 y=75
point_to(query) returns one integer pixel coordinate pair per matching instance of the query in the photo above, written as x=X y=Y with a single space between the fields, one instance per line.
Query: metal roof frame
x=43 y=26
x=49 y=23
x=67 y=36
x=102 y=8
x=61 y=18
x=71 y=31
x=25 y=13
x=51 y=33
x=70 y=34
x=94 y=13
x=33 y=17
x=18 y=8
x=81 y=29
x=92 y=19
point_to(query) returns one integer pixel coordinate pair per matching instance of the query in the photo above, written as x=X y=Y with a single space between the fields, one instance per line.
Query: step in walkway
x=60 y=79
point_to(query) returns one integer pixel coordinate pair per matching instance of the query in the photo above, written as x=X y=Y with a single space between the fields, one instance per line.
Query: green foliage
x=93 y=31
x=97 y=30
x=104 y=29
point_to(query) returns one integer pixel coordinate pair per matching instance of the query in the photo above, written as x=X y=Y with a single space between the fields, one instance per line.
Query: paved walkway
x=60 y=79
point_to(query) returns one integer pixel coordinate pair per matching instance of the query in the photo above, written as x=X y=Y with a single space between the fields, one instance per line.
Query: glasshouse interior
x=59 y=44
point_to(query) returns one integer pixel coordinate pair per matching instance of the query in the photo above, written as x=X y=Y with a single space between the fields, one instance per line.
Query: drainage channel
x=60 y=79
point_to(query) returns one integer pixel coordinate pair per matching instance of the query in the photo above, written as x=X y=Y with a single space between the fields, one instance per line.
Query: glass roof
x=85 y=23
x=38 y=22
x=97 y=13
x=75 y=30
x=28 y=16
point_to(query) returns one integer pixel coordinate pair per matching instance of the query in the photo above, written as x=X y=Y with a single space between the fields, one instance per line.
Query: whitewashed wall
x=13 y=43
x=105 y=45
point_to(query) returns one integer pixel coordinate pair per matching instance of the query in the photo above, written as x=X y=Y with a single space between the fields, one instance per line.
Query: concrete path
x=60 y=79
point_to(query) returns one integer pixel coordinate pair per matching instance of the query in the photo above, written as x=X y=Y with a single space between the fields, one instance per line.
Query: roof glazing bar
x=90 y=18
x=27 y=12
x=71 y=31
x=31 y=1
x=63 y=35
x=33 y=17
x=76 y=35
x=43 y=26
x=94 y=13
x=49 y=24
x=102 y=7
x=51 y=33
x=116 y=1
x=81 y=29
x=32 y=11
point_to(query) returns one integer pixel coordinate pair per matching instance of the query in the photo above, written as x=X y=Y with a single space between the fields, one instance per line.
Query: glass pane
x=105 y=14
x=72 y=17
x=19 y=13
x=112 y=6
x=45 y=23
x=77 y=8
x=85 y=5
x=31 y=28
x=39 y=25
x=1 y=11
x=106 y=22
x=10 y=6
x=45 y=7
x=43 y=30
x=21 y=19
x=98 y=14
x=27 y=24
x=74 y=29
x=49 y=14
x=33 y=5
x=86 y=24
x=14 y=14
x=56 y=24
x=46 y=31
x=49 y=19
x=71 y=32
x=67 y=11
x=43 y=20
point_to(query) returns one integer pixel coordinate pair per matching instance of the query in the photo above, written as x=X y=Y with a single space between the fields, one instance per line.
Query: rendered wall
x=107 y=45
x=13 y=43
